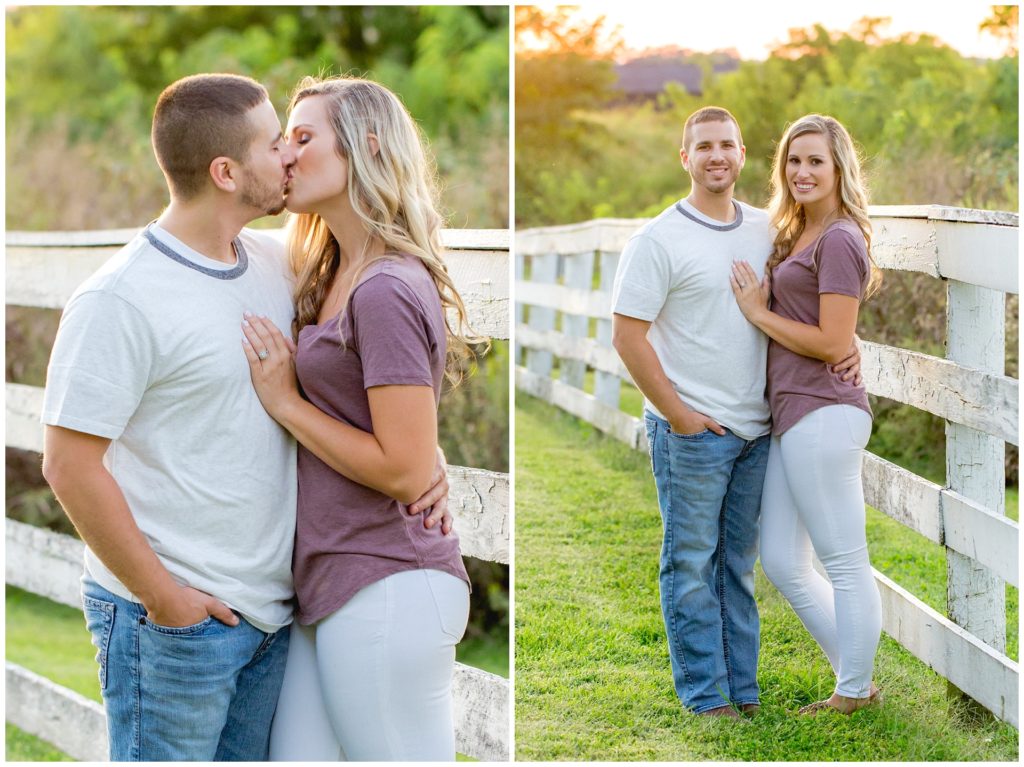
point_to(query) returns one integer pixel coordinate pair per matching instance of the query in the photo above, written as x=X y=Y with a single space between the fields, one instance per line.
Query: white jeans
x=373 y=681
x=813 y=497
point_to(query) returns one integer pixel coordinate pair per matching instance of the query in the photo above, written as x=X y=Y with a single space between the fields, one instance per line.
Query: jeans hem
x=755 y=701
x=859 y=696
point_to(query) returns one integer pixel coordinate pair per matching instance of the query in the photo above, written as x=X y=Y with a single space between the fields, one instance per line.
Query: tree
x=563 y=67
x=1003 y=24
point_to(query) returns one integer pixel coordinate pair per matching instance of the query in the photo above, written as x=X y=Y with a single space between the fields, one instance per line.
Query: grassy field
x=592 y=671
x=50 y=639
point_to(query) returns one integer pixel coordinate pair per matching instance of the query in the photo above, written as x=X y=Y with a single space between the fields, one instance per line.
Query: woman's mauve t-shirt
x=797 y=384
x=349 y=535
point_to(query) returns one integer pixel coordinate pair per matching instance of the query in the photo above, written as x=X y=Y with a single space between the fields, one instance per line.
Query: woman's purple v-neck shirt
x=349 y=535
x=798 y=385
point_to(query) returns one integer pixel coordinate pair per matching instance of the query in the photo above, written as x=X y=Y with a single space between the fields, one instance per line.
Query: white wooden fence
x=43 y=269
x=975 y=252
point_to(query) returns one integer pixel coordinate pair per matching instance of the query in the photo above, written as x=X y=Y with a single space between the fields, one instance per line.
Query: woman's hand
x=751 y=295
x=435 y=501
x=271 y=363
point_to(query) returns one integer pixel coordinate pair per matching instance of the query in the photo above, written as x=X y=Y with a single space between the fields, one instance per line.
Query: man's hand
x=187 y=607
x=435 y=500
x=850 y=365
x=694 y=422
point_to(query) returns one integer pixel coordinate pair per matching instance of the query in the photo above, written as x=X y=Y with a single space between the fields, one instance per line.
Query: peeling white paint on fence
x=984 y=401
x=478 y=501
x=975 y=597
x=481 y=713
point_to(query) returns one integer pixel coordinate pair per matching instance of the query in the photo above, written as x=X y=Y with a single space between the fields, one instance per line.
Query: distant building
x=644 y=77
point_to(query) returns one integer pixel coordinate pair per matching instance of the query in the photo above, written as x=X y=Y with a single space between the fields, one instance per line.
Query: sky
x=752 y=28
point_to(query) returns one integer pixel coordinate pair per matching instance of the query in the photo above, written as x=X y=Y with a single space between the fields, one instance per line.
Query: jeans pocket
x=99 y=620
x=695 y=436
x=451 y=597
x=195 y=628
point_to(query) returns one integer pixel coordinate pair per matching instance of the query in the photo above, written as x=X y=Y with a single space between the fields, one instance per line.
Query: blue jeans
x=709 y=492
x=205 y=692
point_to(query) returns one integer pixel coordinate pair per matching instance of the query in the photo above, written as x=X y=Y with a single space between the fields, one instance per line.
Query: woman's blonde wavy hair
x=394 y=193
x=787 y=215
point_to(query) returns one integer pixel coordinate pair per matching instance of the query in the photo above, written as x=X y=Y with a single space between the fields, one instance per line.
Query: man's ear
x=683 y=158
x=223 y=171
x=374 y=143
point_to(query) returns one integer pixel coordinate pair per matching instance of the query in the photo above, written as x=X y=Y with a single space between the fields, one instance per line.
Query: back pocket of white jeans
x=99 y=619
x=451 y=597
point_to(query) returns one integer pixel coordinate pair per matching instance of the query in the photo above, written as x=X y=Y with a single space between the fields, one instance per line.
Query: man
x=156 y=445
x=701 y=368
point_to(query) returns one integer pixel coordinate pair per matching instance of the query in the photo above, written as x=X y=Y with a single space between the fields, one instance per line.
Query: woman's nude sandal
x=813 y=709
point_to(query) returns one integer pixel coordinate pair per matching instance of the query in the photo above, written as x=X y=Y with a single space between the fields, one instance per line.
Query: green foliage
x=934 y=127
x=82 y=82
x=473 y=425
x=91 y=63
x=592 y=671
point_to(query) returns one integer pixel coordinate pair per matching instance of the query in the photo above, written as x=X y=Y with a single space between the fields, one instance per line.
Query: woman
x=382 y=601
x=820 y=271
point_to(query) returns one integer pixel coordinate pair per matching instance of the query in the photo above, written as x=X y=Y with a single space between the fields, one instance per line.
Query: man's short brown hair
x=199 y=118
x=709 y=115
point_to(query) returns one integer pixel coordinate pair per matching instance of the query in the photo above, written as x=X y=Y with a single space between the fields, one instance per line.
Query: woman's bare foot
x=843 y=704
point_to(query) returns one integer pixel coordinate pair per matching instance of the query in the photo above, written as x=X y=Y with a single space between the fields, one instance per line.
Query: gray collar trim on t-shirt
x=221 y=274
x=717 y=227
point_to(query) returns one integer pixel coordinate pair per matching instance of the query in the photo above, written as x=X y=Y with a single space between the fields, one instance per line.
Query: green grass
x=51 y=640
x=919 y=566
x=22 y=747
x=592 y=671
x=491 y=653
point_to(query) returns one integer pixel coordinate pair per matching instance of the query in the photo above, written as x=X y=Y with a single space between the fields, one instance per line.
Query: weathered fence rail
x=975 y=253
x=43 y=270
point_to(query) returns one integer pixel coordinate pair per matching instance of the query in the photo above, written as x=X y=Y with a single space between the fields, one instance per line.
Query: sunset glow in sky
x=752 y=28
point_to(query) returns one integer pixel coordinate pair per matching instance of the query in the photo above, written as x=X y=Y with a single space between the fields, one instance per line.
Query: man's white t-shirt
x=674 y=273
x=149 y=354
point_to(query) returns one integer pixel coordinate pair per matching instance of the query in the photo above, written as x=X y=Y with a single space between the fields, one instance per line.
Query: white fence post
x=975 y=336
x=517 y=357
x=543 y=269
x=579 y=275
x=607 y=386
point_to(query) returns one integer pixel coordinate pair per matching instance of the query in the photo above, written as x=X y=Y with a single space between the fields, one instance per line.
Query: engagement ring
x=263 y=354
